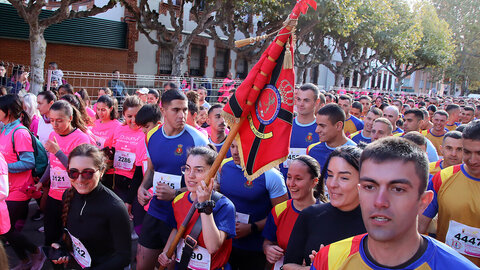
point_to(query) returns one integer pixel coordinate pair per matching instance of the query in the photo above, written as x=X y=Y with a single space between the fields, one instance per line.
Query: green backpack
x=39 y=152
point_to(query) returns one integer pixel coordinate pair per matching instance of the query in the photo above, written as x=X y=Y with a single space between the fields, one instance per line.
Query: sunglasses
x=87 y=174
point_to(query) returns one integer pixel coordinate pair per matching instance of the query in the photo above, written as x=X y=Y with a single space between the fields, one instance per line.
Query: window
x=197 y=60
x=421 y=84
x=372 y=82
x=221 y=62
x=355 y=79
x=165 y=62
x=242 y=68
x=314 y=74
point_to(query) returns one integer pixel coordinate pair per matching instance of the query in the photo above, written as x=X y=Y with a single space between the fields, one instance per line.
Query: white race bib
x=463 y=238
x=294 y=152
x=174 y=181
x=200 y=260
x=100 y=142
x=59 y=179
x=123 y=160
x=80 y=253
x=278 y=264
x=241 y=218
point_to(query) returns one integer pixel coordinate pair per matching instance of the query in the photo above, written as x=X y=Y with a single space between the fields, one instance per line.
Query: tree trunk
x=178 y=59
x=338 y=78
x=38 y=48
x=363 y=81
x=300 y=72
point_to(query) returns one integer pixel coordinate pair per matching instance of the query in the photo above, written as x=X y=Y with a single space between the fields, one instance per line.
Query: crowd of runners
x=375 y=181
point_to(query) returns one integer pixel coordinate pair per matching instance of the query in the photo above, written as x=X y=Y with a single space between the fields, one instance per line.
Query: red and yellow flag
x=266 y=99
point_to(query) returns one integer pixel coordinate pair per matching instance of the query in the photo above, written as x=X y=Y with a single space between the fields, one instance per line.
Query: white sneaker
x=41 y=229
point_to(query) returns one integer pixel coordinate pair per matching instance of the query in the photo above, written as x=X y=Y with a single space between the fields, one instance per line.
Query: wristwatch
x=205 y=207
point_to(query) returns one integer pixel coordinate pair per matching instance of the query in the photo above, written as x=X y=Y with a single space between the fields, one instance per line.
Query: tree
x=158 y=31
x=249 y=18
x=30 y=12
x=462 y=16
x=433 y=49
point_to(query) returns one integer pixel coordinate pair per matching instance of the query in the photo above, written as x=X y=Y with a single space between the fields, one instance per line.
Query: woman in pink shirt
x=129 y=144
x=20 y=161
x=104 y=127
x=78 y=104
x=68 y=132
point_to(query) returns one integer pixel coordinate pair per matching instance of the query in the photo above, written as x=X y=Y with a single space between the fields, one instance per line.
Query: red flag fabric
x=265 y=98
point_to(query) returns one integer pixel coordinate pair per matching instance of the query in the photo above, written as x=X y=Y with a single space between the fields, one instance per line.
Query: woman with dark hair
x=83 y=95
x=96 y=224
x=45 y=100
x=302 y=178
x=16 y=147
x=129 y=144
x=216 y=214
x=106 y=123
x=326 y=223
x=78 y=103
x=68 y=132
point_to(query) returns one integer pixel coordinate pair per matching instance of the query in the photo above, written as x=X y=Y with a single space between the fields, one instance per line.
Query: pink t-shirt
x=34 y=125
x=59 y=180
x=18 y=182
x=105 y=132
x=4 y=216
x=202 y=130
x=91 y=113
x=128 y=144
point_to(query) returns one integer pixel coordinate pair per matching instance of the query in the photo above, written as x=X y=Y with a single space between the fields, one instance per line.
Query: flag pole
x=211 y=173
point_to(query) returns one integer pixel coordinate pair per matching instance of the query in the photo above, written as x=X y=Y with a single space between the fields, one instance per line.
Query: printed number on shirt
x=80 y=253
x=463 y=238
x=124 y=160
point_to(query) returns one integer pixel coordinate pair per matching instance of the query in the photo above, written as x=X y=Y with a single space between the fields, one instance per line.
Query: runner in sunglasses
x=86 y=205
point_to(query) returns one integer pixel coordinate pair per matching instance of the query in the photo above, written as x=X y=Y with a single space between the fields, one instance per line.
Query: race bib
x=123 y=160
x=278 y=264
x=80 y=253
x=294 y=152
x=59 y=179
x=100 y=142
x=200 y=260
x=463 y=238
x=174 y=181
x=241 y=218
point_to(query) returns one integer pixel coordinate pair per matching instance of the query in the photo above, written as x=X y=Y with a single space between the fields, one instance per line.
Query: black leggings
x=18 y=212
x=53 y=221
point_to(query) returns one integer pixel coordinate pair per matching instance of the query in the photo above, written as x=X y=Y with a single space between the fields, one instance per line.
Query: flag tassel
x=248 y=41
x=287 y=60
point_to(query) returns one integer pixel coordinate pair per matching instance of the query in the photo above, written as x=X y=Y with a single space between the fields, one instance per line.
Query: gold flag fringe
x=287 y=59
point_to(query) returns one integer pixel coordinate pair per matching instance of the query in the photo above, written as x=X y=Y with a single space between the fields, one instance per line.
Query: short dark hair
x=454 y=134
x=365 y=97
x=215 y=106
x=441 y=112
x=357 y=105
x=149 y=113
x=417 y=113
x=398 y=100
x=376 y=111
x=346 y=97
x=432 y=108
x=469 y=108
x=334 y=112
x=461 y=128
x=452 y=107
x=172 y=95
x=398 y=149
x=311 y=87
x=53 y=64
x=416 y=137
x=472 y=131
